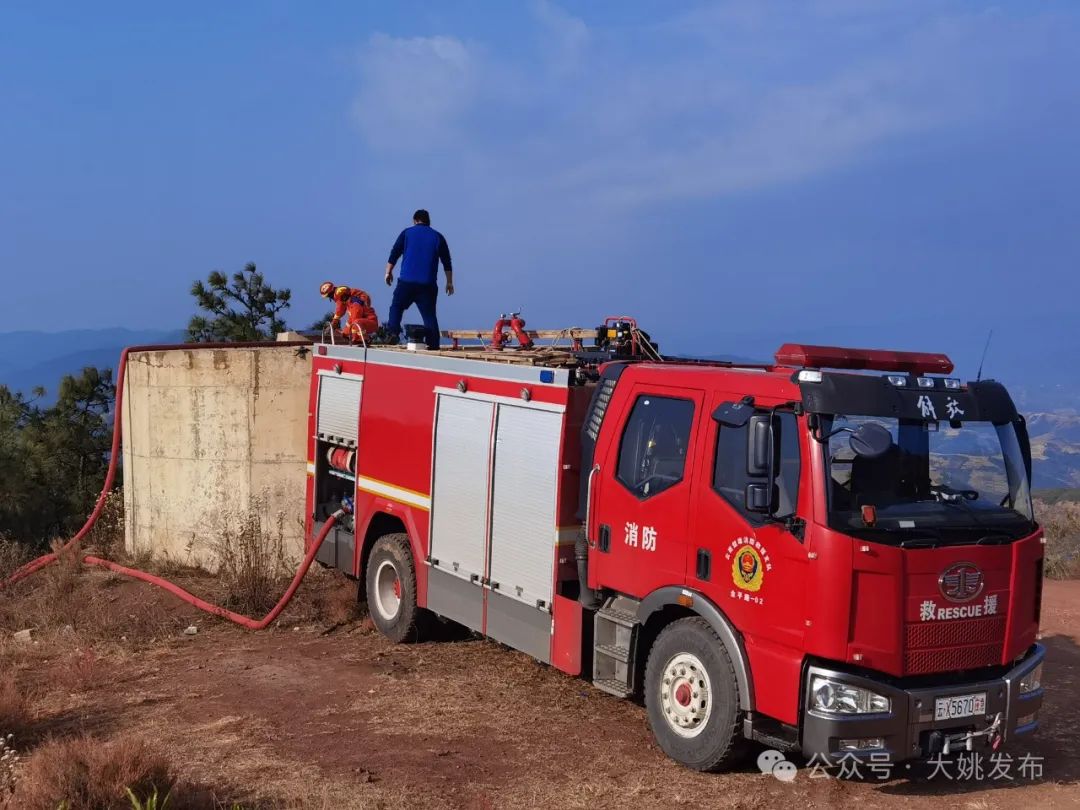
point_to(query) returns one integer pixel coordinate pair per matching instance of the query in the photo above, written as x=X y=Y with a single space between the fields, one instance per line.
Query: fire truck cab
x=833 y=553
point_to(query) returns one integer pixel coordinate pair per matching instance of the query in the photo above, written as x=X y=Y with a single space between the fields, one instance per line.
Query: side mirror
x=758 y=500
x=870 y=440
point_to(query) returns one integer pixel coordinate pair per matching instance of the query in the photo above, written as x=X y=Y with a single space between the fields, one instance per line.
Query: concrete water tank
x=214 y=445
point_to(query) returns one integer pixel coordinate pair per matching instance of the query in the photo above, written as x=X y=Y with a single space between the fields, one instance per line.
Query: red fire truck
x=833 y=553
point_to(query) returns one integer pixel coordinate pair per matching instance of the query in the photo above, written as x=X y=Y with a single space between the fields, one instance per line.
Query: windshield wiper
x=965 y=507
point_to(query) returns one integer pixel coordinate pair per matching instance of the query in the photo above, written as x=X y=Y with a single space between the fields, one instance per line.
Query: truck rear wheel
x=692 y=696
x=391 y=588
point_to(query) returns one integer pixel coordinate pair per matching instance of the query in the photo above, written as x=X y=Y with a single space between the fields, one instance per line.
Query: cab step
x=612 y=687
x=615 y=629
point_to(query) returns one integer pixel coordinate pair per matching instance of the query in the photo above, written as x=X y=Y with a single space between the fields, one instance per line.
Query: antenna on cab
x=983 y=358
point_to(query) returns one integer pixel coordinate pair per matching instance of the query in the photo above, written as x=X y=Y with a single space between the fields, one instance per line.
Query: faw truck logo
x=961 y=582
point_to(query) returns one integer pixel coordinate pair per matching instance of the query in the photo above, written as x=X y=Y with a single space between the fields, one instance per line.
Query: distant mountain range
x=1055 y=451
x=31 y=359
x=1055 y=448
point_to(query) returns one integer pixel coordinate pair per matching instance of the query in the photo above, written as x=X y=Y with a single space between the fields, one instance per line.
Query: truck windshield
x=938 y=481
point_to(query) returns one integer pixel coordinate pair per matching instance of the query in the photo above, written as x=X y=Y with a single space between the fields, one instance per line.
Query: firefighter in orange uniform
x=363 y=322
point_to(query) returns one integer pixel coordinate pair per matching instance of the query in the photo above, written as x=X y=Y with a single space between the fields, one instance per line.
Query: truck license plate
x=949 y=708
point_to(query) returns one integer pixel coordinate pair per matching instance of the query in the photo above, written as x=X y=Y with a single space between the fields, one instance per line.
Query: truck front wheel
x=391 y=588
x=692 y=696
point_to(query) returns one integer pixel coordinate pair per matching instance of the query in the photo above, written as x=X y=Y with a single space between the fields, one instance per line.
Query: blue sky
x=737 y=174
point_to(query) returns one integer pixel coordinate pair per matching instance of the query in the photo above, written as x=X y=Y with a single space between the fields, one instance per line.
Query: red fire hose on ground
x=114 y=459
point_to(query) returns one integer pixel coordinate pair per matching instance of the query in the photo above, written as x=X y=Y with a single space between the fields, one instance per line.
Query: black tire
x=711 y=743
x=396 y=616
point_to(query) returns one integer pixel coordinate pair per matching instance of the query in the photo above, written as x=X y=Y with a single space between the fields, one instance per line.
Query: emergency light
x=803 y=355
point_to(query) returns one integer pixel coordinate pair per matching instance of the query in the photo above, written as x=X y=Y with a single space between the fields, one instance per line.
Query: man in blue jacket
x=423 y=248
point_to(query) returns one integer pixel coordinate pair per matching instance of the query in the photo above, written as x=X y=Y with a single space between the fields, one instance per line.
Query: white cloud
x=567 y=36
x=413 y=91
x=783 y=136
x=719 y=102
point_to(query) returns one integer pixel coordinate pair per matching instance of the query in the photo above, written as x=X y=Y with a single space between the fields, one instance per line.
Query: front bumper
x=909 y=730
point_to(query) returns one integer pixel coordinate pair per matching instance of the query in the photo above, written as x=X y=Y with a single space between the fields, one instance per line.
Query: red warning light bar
x=801 y=355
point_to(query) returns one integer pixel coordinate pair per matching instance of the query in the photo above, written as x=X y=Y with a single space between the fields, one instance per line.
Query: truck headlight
x=836 y=697
x=1031 y=681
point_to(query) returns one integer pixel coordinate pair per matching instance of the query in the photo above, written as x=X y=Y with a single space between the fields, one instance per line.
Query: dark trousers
x=407 y=293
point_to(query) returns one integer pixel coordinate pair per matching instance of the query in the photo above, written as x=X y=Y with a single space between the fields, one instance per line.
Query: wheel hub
x=387 y=591
x=685 y=695
x=682 y=694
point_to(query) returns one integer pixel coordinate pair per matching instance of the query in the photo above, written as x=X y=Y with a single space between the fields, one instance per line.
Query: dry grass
x=70 y=603
x=326 y=597
x=1061 y=523
x=76 y=670
x=49 y=599
x=83 y=773
x=107 y=535
x=477 y=680
x=70 y=607
x=10 y=764
x=252 y=564
x=106 y=538
x=14 y=711
x=12 y=556
x=61 y=582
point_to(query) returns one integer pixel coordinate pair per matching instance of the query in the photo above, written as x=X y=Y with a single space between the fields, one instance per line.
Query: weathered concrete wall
x=211 y=438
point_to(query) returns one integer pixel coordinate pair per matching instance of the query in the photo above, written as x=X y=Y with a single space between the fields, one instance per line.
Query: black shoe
x=383 y=338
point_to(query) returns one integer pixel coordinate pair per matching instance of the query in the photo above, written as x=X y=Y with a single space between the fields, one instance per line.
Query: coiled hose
x=110 y=476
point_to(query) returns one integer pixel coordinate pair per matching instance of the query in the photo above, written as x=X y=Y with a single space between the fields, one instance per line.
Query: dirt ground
x=313 y=714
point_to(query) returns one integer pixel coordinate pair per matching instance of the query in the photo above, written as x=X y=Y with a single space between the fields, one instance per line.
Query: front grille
x=946 y=646
x=925 y=662
x=942 y=634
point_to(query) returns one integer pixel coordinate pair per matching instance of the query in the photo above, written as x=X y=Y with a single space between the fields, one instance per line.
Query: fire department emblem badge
x=747 y=571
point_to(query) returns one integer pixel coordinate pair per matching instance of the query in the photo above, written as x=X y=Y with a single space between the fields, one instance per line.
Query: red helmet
x=326 y=289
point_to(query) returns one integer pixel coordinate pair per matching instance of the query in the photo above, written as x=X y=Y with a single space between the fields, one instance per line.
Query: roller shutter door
x=339 y=408
x=459 y=497
x=524 y=490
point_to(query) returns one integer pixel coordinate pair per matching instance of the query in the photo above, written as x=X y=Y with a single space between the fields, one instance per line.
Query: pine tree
x=243 y=308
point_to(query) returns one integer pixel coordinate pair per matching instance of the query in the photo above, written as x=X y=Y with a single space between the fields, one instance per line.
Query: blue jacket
x=423 y=248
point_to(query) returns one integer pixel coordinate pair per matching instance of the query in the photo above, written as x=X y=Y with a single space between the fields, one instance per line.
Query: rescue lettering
x=930 y=611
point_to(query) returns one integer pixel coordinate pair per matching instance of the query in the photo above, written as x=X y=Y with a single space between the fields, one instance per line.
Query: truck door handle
x=704 y=564
x=588 y=500
x=604 y=541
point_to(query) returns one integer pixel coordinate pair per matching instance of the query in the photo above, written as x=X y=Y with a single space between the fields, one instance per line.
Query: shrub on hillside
x=12 y=556
x=252 y=563
x=14 y=719
x=14 y=713
x=84 y=773
x=1061 y=523
x=9 y=768
x=107 y=536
